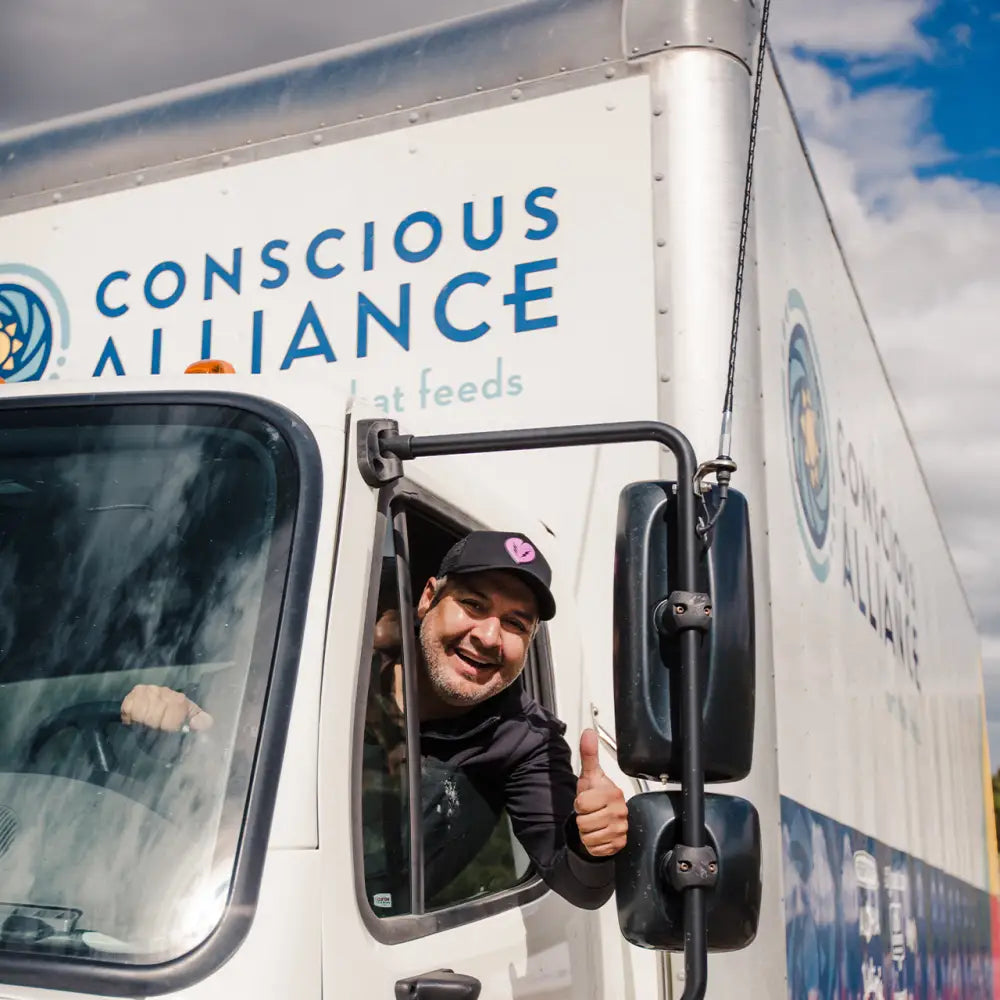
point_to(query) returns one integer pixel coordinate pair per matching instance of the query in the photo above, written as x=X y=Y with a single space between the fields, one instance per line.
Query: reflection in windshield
x=133 y=550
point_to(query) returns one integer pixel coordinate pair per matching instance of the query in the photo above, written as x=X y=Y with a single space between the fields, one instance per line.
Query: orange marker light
x=210 y=367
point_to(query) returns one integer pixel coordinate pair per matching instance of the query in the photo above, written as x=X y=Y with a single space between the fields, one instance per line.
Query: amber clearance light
x=210 y=366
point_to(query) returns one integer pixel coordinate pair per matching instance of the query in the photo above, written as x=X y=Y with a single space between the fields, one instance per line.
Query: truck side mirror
x=650 y=909
x=646 y=655
x=658 y=869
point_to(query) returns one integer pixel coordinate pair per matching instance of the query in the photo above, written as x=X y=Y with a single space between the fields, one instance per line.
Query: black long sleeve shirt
x=513 y=753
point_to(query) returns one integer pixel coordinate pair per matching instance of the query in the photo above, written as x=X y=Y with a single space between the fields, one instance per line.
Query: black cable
x=725 y=466
x=727 y=406
x=705 y=526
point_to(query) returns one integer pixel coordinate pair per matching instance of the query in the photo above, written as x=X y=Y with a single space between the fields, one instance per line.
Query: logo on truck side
x=34 y=323
x=807 y=435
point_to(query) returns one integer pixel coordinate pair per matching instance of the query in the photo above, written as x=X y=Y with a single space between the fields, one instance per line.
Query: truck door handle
x=443 y=984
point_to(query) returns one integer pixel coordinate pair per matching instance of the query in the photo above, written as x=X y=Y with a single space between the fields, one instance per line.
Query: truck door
x=479 y=908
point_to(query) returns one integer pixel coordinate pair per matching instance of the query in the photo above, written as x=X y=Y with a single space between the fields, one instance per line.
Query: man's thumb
x=590 y=766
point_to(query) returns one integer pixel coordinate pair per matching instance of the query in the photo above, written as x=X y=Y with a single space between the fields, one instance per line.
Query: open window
x=468 y=861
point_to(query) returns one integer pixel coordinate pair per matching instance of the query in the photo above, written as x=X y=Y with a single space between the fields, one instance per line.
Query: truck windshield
x=146 y=545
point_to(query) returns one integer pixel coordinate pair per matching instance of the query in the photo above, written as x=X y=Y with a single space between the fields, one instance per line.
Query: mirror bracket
x=378 y=467
x=683 y=609
x=691 y=867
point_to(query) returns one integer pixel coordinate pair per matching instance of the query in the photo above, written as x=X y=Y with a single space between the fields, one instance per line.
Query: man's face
x=475 y=634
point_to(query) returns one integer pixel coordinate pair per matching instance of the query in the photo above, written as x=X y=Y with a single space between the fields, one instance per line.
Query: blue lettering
x=416 y=256
x=206 y=339
x=887 y=622
x=322 y=346
x=268 y=259
x=314 y=266
x=840 y=451
x=257 y=343
x=102 y=303
x=540 y=212
x=452 y=332
x=848 y=573
x=400 y=332
x=109 y=356
x=157 y=350
x=868 y=579
x=862 y=607
x=467 y=226
x=369 y=245
x=213 y=269
x=171 y=267
x=522 y=295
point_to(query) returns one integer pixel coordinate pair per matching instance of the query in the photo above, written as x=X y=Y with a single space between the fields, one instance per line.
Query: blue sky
x=900 y=104
x=963 y=80
x=958 y=72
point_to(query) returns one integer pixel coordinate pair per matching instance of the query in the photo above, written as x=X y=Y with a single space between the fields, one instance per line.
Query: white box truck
x=524 y=218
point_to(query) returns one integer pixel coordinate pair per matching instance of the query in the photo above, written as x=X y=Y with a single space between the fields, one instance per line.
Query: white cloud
x=962 y=33
x=882 y=132
x=853 y=27
x=924 y=254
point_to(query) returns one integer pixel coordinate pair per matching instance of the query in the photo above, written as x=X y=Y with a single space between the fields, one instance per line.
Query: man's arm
x=557 y=817
x=157 y=707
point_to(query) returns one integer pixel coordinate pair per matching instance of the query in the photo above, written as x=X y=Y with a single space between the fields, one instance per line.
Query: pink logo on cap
x=519 y=550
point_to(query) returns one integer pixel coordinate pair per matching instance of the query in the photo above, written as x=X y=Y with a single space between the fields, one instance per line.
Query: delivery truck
x=396 y=262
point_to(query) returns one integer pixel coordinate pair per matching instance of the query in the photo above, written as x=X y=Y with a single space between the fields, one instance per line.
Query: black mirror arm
x=381 y=453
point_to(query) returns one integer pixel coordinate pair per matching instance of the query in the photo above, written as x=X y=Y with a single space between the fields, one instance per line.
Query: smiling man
x=476 y=620
x=485 y=746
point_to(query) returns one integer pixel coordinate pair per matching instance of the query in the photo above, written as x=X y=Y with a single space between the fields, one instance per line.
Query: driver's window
x=465 y=838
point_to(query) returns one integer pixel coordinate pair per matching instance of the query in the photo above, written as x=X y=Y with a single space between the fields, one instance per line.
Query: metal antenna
x=724 y=466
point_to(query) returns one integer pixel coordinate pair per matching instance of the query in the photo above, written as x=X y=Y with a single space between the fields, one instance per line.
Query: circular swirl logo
x=25 y=333
x=808 y=436
x=33 y=323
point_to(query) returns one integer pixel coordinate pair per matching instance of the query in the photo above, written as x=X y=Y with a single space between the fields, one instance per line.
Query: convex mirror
x=651 y=911
x=647 y=660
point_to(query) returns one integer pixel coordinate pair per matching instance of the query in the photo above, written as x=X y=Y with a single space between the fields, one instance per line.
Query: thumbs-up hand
x=601 y=812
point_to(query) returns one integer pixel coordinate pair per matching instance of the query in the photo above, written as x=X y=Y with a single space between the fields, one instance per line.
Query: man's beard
x=447 y=686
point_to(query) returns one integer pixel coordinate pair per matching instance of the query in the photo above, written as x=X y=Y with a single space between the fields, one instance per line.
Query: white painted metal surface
x=700 y=136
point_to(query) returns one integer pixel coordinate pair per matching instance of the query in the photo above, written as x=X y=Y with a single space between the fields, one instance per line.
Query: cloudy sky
x=898 y=99
x=899 y=102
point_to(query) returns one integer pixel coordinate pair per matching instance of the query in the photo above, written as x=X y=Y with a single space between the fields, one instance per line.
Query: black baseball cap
x=508 y=550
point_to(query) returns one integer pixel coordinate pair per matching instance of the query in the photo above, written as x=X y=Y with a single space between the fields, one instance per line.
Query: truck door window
x=469 y=850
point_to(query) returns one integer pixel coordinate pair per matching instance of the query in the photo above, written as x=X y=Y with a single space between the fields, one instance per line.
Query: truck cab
x=219 y=540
